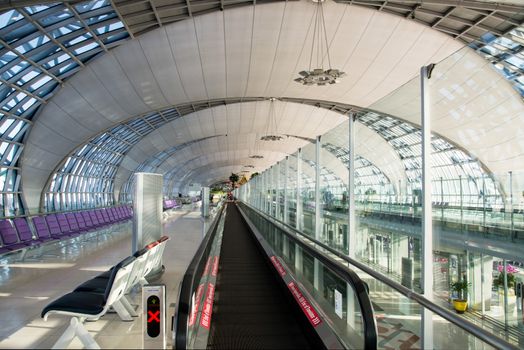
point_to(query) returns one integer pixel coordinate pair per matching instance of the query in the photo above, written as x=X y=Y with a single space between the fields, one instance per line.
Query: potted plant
x=460 y=303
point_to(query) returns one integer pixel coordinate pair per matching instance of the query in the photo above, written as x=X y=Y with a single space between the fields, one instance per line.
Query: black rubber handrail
x=350 y=277
x=468 y=326
x=182 y=307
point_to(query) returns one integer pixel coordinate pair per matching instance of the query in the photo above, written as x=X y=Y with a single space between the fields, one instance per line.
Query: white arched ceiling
x=241 y=52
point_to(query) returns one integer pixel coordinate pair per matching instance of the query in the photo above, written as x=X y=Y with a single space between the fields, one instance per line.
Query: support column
x=261 y=191
x=298 y=218
x=277 y=206
x=352 y=238
x=427 y=219
x=272 y=192
x=506 y=305
x=512 y=223
x=318 y=223
x=266 y=191
x=286 y=204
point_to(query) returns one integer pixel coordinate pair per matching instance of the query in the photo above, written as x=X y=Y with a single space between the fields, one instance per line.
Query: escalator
x=251 y=308
x=247 y=289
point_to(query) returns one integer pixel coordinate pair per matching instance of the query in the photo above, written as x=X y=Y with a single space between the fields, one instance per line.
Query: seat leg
x=121 y=311
x=125 y=303
x=86 y=338
x=76 y=329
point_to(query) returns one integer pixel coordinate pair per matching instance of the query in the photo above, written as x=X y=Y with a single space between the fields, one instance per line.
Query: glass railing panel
x=307 y=189
x=334 y=174
x=398 y=317
x=481 y=116
x=399 y=322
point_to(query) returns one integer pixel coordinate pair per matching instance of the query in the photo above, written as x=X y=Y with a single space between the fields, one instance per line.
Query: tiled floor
x=29 y=282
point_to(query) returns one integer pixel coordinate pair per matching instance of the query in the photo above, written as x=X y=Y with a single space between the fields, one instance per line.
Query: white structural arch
x=257 y=51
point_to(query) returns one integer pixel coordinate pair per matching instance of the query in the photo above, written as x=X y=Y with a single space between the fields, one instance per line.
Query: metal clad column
x=264 y=191
x=205 y=202
x=318 y=268
x=147 y=210
x=427 y=219
x=278 y=210
x=318 y=226
x=286 y=205
x=352 y=238
x=298 y=215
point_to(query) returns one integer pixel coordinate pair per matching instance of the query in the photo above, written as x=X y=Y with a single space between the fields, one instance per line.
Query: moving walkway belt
x=252 y=309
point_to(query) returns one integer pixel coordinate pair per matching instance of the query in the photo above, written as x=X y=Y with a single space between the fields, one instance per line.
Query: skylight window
x=86 y=48
x=5 y=125
x=38 y=8
x=9 y=17
x=40 y=82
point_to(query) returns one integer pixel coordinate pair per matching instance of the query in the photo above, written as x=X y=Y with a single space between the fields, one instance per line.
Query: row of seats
x=18 y=234
x=93 y=298
x=171 y=204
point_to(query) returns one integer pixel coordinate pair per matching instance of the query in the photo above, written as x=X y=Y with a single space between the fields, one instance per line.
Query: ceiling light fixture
x=319 y=51
x=271 y=128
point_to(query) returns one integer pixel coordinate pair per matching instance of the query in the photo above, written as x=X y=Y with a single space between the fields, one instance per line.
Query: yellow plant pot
x=460 y=305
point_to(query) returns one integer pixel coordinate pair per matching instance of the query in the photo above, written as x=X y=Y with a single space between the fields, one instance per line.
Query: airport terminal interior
x=267 y=174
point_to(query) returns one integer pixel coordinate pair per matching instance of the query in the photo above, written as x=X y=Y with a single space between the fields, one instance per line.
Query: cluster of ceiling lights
x=317 y=74
x=271 y=127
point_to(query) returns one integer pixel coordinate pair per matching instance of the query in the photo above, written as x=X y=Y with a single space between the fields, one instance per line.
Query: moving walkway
x=257 y=283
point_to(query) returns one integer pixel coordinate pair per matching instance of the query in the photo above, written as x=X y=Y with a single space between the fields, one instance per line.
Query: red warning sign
x=214 y=271
x=205 y=320
x=309 y=311
x=196 y=305
x=278 y=266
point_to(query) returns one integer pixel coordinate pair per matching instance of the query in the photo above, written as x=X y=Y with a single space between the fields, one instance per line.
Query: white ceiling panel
x=119 y=90
x=184 y=45
x=210 y=38
x=159 y=53
x=238 y=27
x=94 y=101
x=141 y=77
